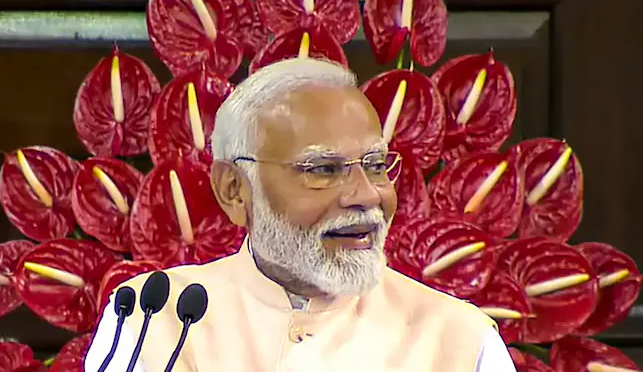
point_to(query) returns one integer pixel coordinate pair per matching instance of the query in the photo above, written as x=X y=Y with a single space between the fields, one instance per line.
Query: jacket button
x=296 y=335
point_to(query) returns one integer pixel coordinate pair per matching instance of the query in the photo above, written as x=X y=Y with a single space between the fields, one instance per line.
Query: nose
x=360 y=192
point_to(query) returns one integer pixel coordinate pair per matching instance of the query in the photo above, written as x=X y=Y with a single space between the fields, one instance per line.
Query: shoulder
x=423 y=302
x=216 y=272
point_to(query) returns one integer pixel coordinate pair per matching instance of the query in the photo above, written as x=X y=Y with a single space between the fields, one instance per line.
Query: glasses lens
x=381 y=167
x=395 y=168
x=325 y=173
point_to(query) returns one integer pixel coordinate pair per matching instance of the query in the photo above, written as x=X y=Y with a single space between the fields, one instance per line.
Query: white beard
x=300 y=252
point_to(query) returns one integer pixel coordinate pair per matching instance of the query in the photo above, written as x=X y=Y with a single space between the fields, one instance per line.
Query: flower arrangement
x=489 y=227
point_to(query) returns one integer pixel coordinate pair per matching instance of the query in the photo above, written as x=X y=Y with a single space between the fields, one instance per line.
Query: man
x=300 y=161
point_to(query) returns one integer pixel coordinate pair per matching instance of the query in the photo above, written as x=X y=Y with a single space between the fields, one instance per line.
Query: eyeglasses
x=331 y=171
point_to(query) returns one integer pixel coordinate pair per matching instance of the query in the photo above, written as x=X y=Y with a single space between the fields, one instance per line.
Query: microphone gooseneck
x=154 y=295
x=190 y=308
x=124 y=307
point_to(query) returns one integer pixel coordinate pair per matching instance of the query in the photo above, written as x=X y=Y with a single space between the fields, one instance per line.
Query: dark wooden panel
x=635 y=353
x=596 y=107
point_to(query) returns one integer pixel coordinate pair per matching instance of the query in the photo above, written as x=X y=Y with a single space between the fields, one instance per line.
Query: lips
x=352 y=232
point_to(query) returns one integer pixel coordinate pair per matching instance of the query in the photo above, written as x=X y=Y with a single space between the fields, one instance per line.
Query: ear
x=233 y=192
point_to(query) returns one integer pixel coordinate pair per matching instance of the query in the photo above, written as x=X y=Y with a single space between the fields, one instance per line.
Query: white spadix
x=41 y=192
x=599 y=367
x=557 y=284
x=469 y=106
x=485 y=188
x=309 y=6
x=394 y=112
x=452 y=257
x=181 y=209
x=194 y=115
x=407 y=14
x=117 y=91
x=613 y=278
x=500 y=313
x=204 y=17
x=548 y=180
x=304 y=46
x=55 y=274
x=111 y=188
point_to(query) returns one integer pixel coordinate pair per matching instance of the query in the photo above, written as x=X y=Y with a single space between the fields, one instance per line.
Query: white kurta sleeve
x=494 y=355
x=102 y=343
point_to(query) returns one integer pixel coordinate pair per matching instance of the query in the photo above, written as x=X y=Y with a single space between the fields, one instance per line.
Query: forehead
x=319 y=119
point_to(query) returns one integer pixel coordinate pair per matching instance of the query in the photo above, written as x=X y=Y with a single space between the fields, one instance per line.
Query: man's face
x=331 y=238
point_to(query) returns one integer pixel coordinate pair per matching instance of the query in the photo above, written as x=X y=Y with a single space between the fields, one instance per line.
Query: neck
x=280 y=276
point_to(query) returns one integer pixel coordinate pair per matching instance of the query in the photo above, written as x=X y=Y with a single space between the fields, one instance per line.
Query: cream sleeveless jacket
x=251 y=326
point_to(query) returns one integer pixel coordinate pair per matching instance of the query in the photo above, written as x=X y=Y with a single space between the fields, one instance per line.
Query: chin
x=351 y=279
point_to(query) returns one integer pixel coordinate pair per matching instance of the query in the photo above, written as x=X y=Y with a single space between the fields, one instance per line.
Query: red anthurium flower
x=102 y=197
x=480 y=100
x=16 y=357
x=587 y=355
x=388 y=24
x=72 y=356
x=253 y=35
x=10 y=254
x=411 y=111
x=484 y=189
x=117 y=274
x=560 y=283
x=553 y=180
x=188 y=33
x=111 y=112
x=59 y=281
x=450 y=256
x=619 y=281
x=36 y=192
x=339 y=17
x=183 y=116
x=506 y=302
x=302 y=42
x=528 y=363
x=177 y=220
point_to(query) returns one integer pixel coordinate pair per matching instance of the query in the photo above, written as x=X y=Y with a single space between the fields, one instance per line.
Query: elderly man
x=300 y=161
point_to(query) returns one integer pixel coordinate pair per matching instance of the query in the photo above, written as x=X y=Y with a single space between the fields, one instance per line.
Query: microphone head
x=192 y=303
x=155 y=292
x=125 y=299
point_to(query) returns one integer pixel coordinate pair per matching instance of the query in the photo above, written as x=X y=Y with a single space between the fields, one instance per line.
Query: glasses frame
x=300 y=166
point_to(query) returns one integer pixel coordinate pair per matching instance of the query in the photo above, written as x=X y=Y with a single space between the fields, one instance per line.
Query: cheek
x=389 y=201
x=307 y=211
x=300 y=207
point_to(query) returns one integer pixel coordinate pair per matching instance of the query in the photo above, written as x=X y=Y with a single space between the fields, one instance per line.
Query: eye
x=375 y=166
x=325 y=168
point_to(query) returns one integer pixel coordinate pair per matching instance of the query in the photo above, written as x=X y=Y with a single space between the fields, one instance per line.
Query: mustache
x=374 y=216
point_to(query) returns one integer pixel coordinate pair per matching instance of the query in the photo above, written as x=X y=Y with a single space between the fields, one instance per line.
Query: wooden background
x=575 y=62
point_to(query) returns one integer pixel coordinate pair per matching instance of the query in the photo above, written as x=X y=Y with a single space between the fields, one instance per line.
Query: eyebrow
x=318 y=151
x=378 y=146
x=326 y=151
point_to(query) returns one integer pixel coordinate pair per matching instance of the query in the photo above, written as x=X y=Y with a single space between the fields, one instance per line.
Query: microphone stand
x=175 y=354
x=117 y=336
x=141 y=338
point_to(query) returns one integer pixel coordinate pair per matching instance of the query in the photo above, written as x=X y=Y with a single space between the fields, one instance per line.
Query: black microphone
x=190 y=308
x=153 y=297
x=124 y=307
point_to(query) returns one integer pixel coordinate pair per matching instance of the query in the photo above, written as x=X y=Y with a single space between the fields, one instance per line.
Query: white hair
x=236 y=127
x=297 y=250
